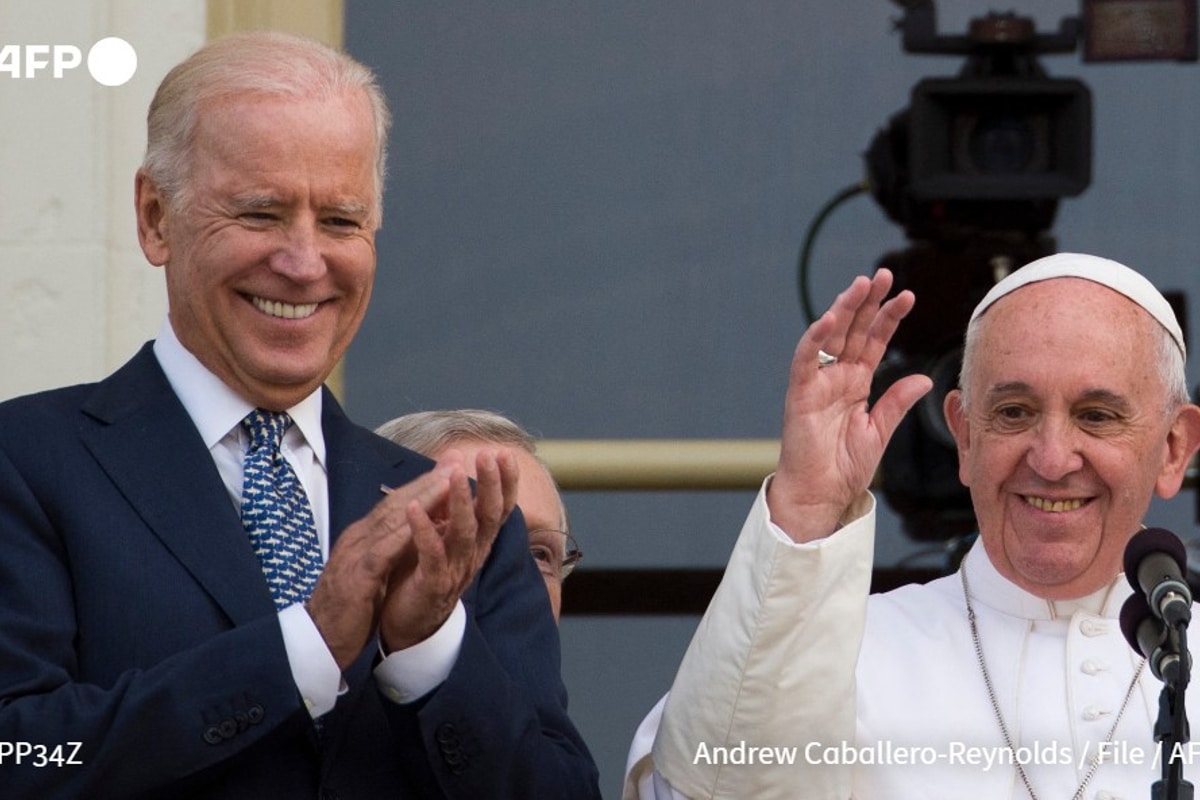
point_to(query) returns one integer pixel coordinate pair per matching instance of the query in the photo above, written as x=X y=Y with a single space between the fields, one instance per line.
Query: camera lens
x=1001 y=145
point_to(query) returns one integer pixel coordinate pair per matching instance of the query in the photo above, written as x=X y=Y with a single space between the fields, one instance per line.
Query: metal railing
x=683 y=464
x=673 y=465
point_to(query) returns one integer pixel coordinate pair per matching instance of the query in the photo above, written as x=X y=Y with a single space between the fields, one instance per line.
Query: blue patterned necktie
x=276 y=513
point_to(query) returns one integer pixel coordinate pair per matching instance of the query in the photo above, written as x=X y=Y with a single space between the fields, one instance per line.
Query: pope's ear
x=1182 y=442
x=152 y=216
x=960 y=427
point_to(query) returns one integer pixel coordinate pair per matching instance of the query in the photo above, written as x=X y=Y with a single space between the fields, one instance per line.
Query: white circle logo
x=112 y=61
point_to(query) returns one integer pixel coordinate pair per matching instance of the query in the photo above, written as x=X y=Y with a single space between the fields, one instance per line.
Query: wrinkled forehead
x=1065 y=309
x=1065 y=337
x=1103 y=272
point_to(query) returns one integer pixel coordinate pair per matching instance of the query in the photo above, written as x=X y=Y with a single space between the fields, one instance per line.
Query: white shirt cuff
x=314 y=669
x=410 y=674
x=859 y=509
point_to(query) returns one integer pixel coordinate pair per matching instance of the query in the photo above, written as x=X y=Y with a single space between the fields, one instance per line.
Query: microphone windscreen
x=1133 y=613
x=1152 y=540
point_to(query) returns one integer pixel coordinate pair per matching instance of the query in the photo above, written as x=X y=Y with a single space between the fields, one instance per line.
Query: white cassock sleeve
x=771 y=666
x=640 y=775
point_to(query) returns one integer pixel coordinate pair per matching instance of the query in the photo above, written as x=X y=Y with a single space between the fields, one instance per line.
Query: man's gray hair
x=255 y=62
x=429 y=432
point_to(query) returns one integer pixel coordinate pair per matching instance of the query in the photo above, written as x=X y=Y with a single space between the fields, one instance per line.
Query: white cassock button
x=1090 y=667
x=1093 y=713
x=1093 y=627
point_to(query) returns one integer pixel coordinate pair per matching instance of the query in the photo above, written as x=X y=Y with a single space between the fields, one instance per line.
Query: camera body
x=973 y=169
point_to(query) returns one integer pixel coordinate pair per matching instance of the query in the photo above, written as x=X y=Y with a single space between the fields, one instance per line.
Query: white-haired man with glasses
x=469 y=430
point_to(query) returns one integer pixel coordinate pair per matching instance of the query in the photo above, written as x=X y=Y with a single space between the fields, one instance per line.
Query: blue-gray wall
x=592 y=221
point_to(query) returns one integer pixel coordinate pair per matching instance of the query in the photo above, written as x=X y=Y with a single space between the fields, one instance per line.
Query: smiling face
x=270 y=255
x=1068 y=434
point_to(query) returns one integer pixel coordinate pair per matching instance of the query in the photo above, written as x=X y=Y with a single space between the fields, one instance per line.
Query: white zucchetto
x=1103 y=271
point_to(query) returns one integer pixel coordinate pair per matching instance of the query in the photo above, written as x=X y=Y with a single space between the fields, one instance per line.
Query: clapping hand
x=449 y=544
x=401 y=569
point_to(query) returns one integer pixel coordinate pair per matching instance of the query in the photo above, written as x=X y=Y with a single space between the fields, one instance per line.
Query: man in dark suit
x=383 y=633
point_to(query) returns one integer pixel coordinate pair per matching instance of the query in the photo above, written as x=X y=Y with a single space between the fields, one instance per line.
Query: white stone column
x=76 y=295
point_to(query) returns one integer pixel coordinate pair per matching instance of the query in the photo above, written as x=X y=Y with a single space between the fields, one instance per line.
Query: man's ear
x=1182 y=441
x=151 y=207
x=960 y=426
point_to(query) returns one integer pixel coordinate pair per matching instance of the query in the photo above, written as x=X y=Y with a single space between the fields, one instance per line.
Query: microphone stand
x=1171 y=729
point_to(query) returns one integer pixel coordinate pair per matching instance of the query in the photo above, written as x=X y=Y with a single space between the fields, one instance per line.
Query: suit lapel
x=358 y=462
x=150 y=449
x=145 y=441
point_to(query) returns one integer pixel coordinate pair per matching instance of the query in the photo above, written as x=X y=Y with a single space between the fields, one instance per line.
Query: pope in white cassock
x=1005 y=680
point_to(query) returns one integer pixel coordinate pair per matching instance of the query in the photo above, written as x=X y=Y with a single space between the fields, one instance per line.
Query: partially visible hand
x=447 y=548
x=832 y=440
x=345 y=602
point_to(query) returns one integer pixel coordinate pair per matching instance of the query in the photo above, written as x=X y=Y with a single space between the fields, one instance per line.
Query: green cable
x=810 y=238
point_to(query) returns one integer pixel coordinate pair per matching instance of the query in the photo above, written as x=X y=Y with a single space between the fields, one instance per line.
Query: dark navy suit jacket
x=135 y=621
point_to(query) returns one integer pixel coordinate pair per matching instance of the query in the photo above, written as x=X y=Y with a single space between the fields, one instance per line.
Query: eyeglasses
x=555 y=552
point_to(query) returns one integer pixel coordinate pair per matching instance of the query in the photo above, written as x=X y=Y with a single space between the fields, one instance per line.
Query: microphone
x=1148 y=635
x=1155 y=561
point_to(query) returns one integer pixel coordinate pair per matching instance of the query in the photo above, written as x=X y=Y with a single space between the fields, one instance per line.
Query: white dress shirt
x=217 y=412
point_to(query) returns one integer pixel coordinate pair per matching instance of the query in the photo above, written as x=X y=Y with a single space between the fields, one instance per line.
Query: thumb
x=897 y=401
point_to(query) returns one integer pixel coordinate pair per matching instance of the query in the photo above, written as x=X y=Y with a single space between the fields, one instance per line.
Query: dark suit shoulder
x=44 y=404
x=350 y=441
x=43 y=419
x=36 y=422
x=389 y=450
